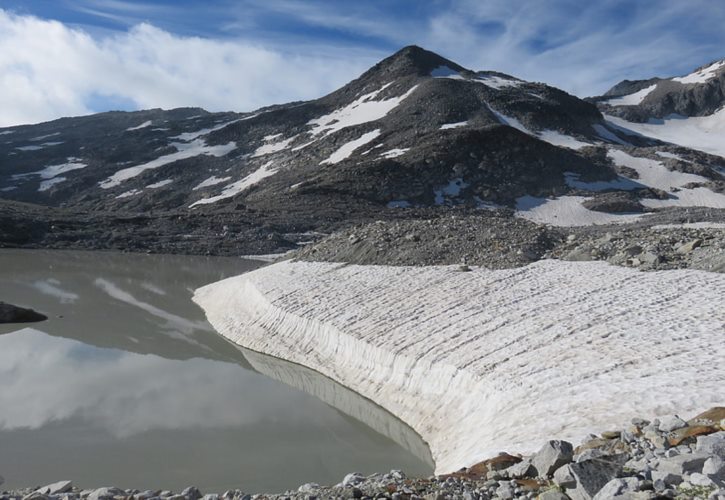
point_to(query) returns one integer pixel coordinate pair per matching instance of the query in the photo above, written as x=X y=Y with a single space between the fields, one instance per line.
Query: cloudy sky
x=70 y=57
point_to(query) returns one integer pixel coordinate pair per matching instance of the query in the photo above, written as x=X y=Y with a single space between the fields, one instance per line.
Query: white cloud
x=48 y=70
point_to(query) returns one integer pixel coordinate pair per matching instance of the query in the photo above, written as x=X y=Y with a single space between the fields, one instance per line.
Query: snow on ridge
x=344 y=151
x=632 y=99
x=139 y=127
x=46 y=185
x=210 y=181
x=498 y=82
x=703 y=75
x=478 y=368
x=273 y=147
x=608 y=135
x=190 y=136
x=37 y=147
x=51 y=173
x=394 y=153
x=698 y=132
x=448 y=126
x=160 y=184
x=183 y=151
x=235 y=188
x=364 y=109
x=41 y=137
x=558 y=139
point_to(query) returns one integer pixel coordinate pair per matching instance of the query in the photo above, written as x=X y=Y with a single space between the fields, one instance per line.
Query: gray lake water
x=127 y=385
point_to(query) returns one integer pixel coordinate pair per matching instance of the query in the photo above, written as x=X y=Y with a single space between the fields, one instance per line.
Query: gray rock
x=714 y=467
x=689 y=246
x=352 y=479
x=551 y=456
x=191 y=493
x=56 y=488
x=618 y=488
x=592 y=475
x=552 y=495
x=667 y=478
x=683 y=464
x=308 y=488
x=505 y=491
x=105 y=493
x=520 y=470
x=564 y=477
x=697 y=479
x=712 y=444
x=36 y=495
x=589 y=454
x=671 y=423
x=211 y=496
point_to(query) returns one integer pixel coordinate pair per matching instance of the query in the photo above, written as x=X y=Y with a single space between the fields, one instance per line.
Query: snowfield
x=632 y=99
x=484 y=361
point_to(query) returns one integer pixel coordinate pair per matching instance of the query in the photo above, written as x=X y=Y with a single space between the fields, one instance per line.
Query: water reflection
x=127 y=384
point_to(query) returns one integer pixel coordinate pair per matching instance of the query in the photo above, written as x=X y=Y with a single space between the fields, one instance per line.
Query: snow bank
x=348 y=148
x=484 y=361
x=566 y=211
x=447 y=126
x=703 y=75
x=705 y=133
x=139 y=127
x=632 y=99
x=235 y=188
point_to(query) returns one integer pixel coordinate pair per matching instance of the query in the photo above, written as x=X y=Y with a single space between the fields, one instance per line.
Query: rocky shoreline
x=662 y=458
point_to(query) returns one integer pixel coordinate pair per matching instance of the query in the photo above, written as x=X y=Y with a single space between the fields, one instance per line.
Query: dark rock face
x=670 y=96
x=14 y=314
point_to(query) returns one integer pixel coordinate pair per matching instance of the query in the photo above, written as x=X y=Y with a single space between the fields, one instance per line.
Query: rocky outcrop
x=14 y=314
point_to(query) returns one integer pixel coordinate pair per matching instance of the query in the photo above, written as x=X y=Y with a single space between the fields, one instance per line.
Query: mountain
x=415 y=134
x=686 y=110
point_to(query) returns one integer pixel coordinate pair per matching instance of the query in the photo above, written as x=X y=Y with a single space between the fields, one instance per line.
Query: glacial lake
x=126 y=384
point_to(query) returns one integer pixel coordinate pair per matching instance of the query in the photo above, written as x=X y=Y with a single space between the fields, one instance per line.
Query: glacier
x=490 y=360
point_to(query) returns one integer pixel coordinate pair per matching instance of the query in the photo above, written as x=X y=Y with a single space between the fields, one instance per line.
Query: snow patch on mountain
x=632 y=99
x=190 y=136
x=347 y=149
x=273 y=147
x=235 y=188
x=447 y=194
x=51 y=173
x=498 y=82
x=183 y=151
x=566 y=211
x=608 y=135
x=448 y=126
x=558 y=139
x=706 y=133
x=703 y=75
x=394 y=153
x=160 y=184
x=210 y=181
x=139 y=127
x=364 y=109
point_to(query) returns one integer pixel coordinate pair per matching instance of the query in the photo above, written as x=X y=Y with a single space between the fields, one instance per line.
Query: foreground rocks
x=14 y=314
x=658 y=459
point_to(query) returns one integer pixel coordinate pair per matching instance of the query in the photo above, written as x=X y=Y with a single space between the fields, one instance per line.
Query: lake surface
x=127 y=385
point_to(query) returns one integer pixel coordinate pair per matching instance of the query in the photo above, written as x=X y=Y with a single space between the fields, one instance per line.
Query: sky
x=74 y=57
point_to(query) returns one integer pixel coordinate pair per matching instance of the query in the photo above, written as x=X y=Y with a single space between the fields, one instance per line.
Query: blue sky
x=69 y=57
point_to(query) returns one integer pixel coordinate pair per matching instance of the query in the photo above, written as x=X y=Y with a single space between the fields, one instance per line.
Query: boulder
x=552 y=495
x=56 y=488
x=14 y=314
x=106 y=493
x=667 y=478
x=618 y=488
x=671 y=423
x=683 y=464
x=712 y=444
x=564 y=477
x=551 y=456
x=192 y=493
x=591 y=476
x=520 y=470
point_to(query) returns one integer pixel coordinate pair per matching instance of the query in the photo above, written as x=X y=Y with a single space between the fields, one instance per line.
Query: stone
x=712 y=444
x=552 y=495
x=309 y=488
x=56 y=488
x=618 y=488
x=671 y=423
x=591 y=476
x=504 y=491
x=697 y=479
x=105 y=493
x=36 y=495
x=520 y=470
x=714 y=467
x=551 y=456
x=667 y=478
x=564 y=477
x=683 y=464
x=353 y=479
x=675 y=438
x=210 y=496
x=689 y=246
x=611 y=434
x=191 y=493
x=589 y=454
